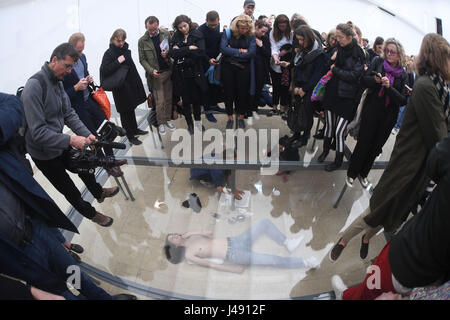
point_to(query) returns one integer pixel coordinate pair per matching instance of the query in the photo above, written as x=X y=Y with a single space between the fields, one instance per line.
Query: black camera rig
x=91 y=156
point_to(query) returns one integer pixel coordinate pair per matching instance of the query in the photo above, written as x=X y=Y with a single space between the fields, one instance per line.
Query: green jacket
x=404 y=181
x=148 y=58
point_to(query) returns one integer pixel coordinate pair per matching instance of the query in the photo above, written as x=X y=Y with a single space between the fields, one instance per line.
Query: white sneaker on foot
x=338 y=286
x=255 y=115
x=292 y=244
x=364 y=182
x=170 y=126
x=311 y=263
x=198 y=125
x=349 y=182
x=162 y=130
x=250 y=121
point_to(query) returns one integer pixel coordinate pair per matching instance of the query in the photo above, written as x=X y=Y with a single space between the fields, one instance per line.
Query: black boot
x=337 y=162
x=190 y=123
x=333 y=144
x=326 y=150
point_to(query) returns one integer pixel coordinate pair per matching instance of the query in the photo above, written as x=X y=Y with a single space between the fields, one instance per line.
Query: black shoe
x=124 y=296
x=320 y=135
x=76 y=248
x=191 y=129
x=336 y=251
x=337 y=162
x=140 y=132
x=364 y=249
x=230 y=124
x=241 y=124
x=134 y=141
x=75 y=257
x=326 y=150
x=333 y=145
x=300 y=143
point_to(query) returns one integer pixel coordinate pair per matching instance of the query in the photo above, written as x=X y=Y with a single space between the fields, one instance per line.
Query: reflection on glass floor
x=301 y=206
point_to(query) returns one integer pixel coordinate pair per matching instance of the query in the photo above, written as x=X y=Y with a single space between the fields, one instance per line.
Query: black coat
x=132 y=93
x=397 y=92
x=348 y=69
x=262 y=61
x=420 y=253
x=188 y=64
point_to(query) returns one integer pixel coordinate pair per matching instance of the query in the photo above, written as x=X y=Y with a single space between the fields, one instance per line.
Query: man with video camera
x=31 y=247
x=47 y=109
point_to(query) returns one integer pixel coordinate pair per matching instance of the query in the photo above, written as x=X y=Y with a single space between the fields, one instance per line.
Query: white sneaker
x=162 y=130
x=292 y=244
x=170 y=126
x=311 y=263
x=364 y=182
x=249 y=121
x=198 y=125
x=349 y=182
x=338 y=286
x=255 y=115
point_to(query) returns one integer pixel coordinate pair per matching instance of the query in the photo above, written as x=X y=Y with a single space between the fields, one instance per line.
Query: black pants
x=377 y=123
x=280 y=92
x=236 y=82
x=188 y=114
x=55 y=171
x=192 y=95
x=129 y=123
x=213 y=96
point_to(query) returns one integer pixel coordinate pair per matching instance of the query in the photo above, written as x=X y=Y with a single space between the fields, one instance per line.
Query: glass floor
x=129 y=254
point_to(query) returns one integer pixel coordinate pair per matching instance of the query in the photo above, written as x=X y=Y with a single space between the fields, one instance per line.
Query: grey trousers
x=358 y=226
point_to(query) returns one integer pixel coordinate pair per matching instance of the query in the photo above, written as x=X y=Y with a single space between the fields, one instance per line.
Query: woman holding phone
x=386 y=82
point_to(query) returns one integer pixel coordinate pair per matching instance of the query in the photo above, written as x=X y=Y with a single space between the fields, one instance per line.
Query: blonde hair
x=329 y=35
x=400 y=50
x=75 y=38
x=434 y=56
x=242 y=19
x=119 y=33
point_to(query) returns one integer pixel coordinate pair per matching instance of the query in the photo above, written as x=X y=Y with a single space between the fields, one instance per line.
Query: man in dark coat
x=29 y=245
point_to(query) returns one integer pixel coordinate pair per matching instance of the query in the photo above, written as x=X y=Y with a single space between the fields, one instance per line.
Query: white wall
x=32 y=29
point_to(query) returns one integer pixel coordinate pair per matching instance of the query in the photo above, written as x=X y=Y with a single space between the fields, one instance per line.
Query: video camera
x=91 y=155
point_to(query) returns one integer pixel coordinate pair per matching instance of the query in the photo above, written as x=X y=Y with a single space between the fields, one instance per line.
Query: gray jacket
x=45 y=120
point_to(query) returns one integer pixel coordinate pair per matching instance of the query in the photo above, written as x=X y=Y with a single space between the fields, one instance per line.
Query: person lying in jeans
x=202 y=249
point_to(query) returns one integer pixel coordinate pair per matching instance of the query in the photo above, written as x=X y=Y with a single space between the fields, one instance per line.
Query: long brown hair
x=434 y=56
x=277 y=33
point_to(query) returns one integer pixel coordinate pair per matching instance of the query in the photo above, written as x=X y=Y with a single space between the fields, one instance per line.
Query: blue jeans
x=46 y=249
x=401 y=115
x=240 y=248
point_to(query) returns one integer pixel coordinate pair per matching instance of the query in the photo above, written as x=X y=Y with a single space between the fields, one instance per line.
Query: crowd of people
x=276 y=61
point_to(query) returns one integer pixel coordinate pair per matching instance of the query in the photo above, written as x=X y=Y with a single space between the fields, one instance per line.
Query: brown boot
x=102 y=220
x=108 y=193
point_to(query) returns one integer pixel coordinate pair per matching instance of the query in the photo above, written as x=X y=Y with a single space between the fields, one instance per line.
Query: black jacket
x=420 y=253
x=132 y=93
x=309 y=69
x=397 y=92
x=188 y=64
x=262 y=61
x=212 y=42
x=70 y=80
x=348 y=69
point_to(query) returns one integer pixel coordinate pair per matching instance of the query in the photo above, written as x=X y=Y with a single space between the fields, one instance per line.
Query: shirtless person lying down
x=200 y=248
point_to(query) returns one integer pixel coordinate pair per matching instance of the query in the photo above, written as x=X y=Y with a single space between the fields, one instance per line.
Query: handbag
x=115 y=80
x=297 y=117
x=319 y=90
x=151 y=100
x=99 y=95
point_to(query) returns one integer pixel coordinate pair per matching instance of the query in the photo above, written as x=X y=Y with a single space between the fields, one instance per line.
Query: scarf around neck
x=391 y=74
x=443 y=91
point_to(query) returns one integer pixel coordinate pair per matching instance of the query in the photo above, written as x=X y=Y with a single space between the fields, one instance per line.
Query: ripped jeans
x=240 y=248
